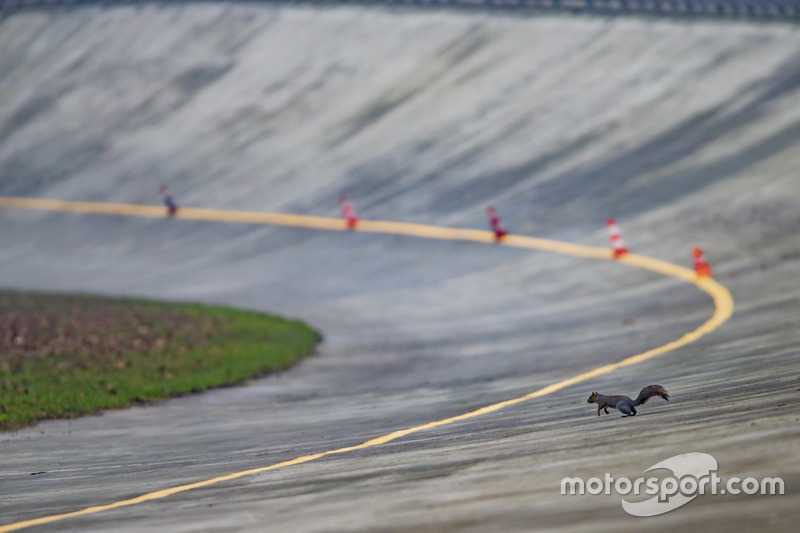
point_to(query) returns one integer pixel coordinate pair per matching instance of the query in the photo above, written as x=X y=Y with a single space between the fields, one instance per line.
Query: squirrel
x=624 y=404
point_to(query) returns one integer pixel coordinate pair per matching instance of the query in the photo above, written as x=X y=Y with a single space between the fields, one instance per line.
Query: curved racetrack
x=687 y=133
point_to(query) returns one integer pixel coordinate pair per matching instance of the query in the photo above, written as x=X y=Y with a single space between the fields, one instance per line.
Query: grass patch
x=62 y=356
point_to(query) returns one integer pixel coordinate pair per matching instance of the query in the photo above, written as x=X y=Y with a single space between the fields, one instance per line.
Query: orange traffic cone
x=348 y=212
x=616 y=239
x=496 y=223
x=169 y=201
x=701 y=266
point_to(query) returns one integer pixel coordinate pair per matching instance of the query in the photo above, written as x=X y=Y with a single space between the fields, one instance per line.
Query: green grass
x=63 y=356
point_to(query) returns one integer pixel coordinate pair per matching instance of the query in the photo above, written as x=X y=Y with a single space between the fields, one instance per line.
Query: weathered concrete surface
x=687 y=133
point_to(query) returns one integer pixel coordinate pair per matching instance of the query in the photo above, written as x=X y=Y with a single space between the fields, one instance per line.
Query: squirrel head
x=592 y=398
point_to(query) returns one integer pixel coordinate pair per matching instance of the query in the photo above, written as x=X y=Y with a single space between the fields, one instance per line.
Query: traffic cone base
x=704 y=270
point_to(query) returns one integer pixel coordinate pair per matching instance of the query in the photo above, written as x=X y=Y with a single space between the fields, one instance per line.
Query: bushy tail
x=650 y=391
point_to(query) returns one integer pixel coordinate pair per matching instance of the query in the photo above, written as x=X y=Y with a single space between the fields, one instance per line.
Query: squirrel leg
x=606 y=409
x=626 y=410
x=598 y=410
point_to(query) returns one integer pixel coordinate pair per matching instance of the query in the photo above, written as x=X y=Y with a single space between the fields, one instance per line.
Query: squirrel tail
x=650 y=391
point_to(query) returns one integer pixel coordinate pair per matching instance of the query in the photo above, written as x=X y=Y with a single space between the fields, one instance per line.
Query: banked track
x=723 y=309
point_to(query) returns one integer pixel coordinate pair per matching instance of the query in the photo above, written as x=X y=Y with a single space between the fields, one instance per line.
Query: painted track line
x=723 y=309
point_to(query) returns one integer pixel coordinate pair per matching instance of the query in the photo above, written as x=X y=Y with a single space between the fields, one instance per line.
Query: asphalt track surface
x=723 y=308
x=690 y=141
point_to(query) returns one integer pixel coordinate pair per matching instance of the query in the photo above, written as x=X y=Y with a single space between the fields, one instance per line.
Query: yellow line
x=723 y=309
